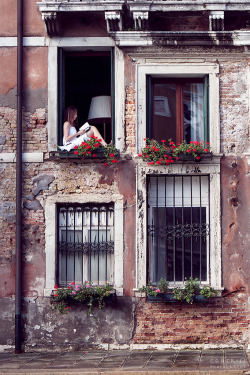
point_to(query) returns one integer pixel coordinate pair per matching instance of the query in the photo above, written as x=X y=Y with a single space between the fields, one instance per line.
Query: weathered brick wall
x=234 y=105
x=224 y=320
x=35 y=137
x=130 y=119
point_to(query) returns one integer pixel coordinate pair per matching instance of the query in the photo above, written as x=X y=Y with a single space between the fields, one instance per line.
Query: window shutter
x=205 y=108
x=113 y=94
x=61 y=93
x=149 y=108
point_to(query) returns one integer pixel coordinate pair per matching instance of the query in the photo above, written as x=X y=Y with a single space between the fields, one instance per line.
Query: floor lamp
x=100 y=111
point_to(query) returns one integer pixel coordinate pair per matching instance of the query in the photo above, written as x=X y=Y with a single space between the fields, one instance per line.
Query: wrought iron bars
x=85 y=243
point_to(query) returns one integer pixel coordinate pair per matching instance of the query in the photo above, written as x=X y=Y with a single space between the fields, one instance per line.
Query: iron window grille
x=85 y=248
x=178 y=228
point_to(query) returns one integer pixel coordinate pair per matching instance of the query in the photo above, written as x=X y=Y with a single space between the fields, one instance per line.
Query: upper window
x=83 y=76
x=177 y=109
x=85 y=250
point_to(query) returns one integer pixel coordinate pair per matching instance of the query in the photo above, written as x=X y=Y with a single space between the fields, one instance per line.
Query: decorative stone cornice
x=139 y=10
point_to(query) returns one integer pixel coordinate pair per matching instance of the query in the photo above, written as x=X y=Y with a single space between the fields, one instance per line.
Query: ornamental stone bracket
x=113 y=21
x=140 y=20
x=52 y=24
x=216 y=20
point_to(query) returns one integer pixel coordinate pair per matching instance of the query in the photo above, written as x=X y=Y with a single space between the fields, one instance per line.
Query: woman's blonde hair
x=69 y=115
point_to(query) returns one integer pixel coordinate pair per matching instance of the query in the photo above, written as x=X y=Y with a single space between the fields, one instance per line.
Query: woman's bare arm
x=68 y=137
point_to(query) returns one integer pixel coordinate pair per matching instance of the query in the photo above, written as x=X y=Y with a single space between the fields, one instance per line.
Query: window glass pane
x=178 y=110
x=85 y=243
x=193 y=112
x=164 y=113
x=178 y=227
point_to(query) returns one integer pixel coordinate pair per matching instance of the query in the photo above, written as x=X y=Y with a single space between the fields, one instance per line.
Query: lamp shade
x=100 y=109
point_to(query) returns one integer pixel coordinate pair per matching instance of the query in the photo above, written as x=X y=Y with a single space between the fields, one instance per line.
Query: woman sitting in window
x=71 y=137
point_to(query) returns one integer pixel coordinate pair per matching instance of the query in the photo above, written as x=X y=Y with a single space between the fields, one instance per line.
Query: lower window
x=178 y=228
x=85 y=250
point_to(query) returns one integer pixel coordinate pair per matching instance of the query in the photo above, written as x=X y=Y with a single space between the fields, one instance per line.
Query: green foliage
x=192 y=288
x=208 y=292
x=150 y=290
x=155 y=153
x=89 y=147
x=62 y=298
x=111 y=153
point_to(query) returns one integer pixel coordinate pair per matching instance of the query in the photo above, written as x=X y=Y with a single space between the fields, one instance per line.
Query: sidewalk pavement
x=129 y=362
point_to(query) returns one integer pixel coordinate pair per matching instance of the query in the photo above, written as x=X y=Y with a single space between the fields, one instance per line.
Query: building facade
x=172 y=70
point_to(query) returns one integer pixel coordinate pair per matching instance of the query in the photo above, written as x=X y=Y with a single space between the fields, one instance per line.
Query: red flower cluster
x=155 y=153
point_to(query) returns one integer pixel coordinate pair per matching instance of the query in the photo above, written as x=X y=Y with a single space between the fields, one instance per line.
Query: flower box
x=198 y=298
x=99 y=154
x=162 y=297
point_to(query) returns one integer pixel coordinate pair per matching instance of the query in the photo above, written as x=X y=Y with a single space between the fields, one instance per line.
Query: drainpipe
x=18 y=290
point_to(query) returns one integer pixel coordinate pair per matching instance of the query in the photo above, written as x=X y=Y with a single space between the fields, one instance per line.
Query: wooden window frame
x=179 y=82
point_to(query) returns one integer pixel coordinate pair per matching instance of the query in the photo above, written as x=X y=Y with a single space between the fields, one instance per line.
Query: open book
x=85 y=127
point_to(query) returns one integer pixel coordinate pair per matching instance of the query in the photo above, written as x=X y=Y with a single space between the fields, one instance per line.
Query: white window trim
x=51 y=234
x=211 y=168
x=81 y=44
x=178 y=71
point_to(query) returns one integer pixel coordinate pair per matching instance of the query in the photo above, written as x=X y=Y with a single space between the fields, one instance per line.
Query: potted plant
x=192 y=292
x=63 y=298
x=93 y=149
x=158 y=293
x=155 y=153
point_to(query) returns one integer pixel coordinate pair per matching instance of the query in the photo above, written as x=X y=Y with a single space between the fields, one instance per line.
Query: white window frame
x=210 y=167
x=83 y=44
x=50 y=210
x=190 y=70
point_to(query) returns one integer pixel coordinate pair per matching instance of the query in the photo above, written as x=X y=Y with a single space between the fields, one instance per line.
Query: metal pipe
x=18 y=283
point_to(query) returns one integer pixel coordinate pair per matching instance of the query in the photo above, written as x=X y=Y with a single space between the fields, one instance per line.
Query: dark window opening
x=177 y=109
x=83 y=76
x=178 y=228
x=85 y=245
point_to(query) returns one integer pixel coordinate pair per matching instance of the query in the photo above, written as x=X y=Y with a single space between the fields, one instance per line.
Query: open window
x=83 y=76
x=177 y=108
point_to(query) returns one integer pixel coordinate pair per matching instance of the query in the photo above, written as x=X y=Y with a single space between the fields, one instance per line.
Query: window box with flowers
x=155 y=153
x=90 y=150
x=190 y=292
x=62 y=299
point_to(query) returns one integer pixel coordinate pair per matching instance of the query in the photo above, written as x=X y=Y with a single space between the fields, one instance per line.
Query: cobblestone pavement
x=181 y=362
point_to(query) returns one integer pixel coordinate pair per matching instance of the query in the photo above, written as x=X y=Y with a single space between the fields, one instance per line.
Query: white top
x=76 y=141
x=72 y=131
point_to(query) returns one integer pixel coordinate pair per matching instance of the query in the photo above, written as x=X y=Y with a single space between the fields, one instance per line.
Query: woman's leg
x=94 y=131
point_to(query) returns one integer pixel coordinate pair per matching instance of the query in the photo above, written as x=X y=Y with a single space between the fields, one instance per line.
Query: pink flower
x=87 y=286
x=158 y=290
x=77 y=288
